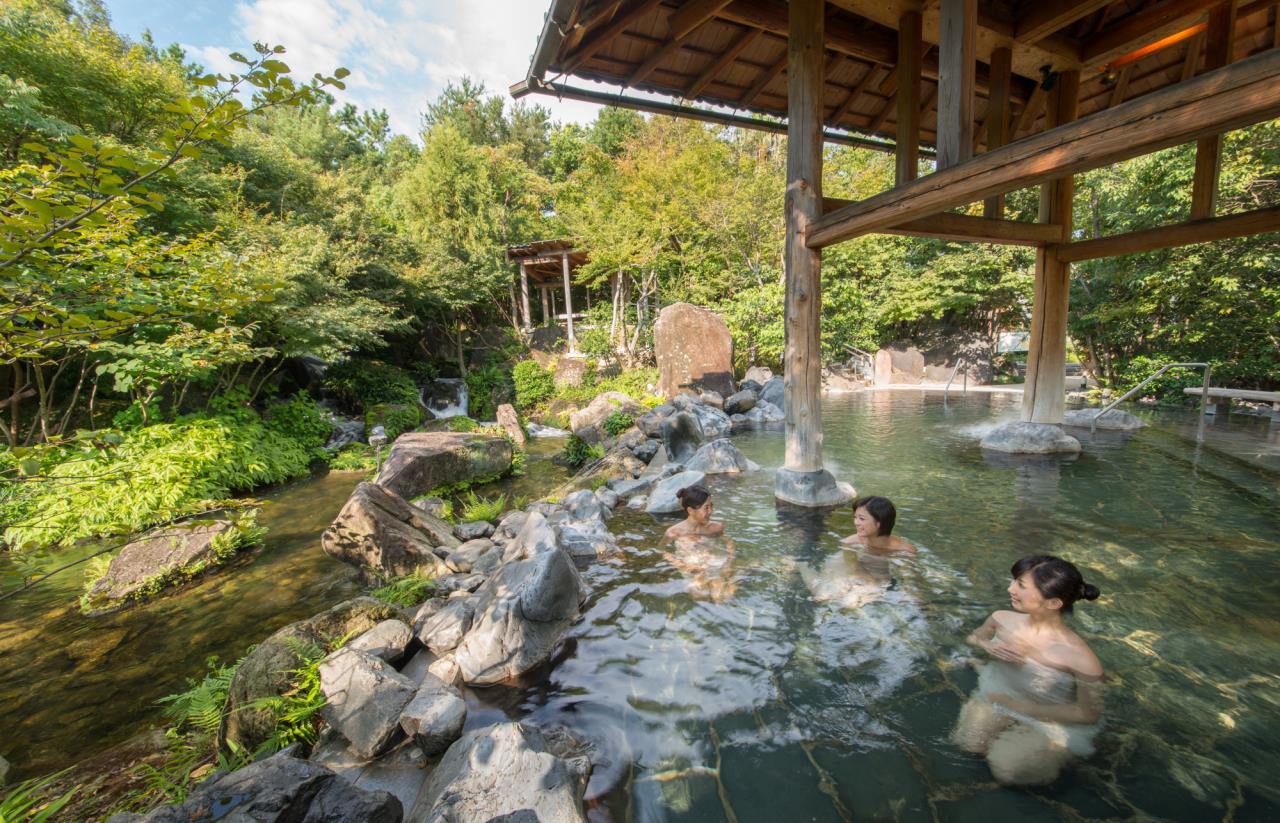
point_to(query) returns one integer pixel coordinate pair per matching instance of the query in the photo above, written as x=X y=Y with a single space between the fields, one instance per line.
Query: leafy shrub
x=405 y=591
x=154 y=475
x=475 y=507
x=618 y=422
x=487 y=386
x=462 y=424
x=359 y=384
x=395 y=418
x=357 y=457
x=634 y=383
x=533 y=384
x=578 y=451
x=302 y=419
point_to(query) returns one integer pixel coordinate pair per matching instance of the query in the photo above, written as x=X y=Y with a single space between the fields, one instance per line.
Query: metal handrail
x=947 y=388
x=1204 y=395
x=868 y=365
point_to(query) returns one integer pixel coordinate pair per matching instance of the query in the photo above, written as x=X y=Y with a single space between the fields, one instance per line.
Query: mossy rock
x=395 y=418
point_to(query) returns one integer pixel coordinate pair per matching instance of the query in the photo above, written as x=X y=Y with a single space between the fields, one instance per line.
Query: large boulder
x=503 y=773
x=773 y=392
x=522 y=610
x=364 y=697
x=713 y=421
x=510 y=423
x=265 y=671
x=588 y=423
x=378 y=529
x=720 y=457
x=694 y=351
x=571 y=372
x=681 y=436
x=741 y=402
x=1024 y=437
x=899 y=364
x=161 y=555
x=434 y=717
x=280 y=789
x=422 y=461
x=662 y=500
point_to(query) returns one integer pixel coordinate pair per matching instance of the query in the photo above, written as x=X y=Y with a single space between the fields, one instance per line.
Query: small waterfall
x=446 y=397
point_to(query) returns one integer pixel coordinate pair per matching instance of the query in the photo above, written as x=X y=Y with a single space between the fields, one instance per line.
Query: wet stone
x=364 y=699
x=435 y=716
x=387 y=640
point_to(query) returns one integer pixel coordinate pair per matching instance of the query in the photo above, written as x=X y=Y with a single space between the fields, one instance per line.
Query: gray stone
x=766 y=412
x=740 y=403
x=583 y=505
x=681 y=436
x=487 y=562
x=631 y=438
x=280 y=789
x=535 y=537
x=570 y=371
x=464 y=558
x=473 y=529
x=588 y=423
x=740 y=422
x=650 y=423
x=685 y=402
x=422 y=461
x=345 y=432
x=758 y=375
x=815 y=489
x=4 y=770
x=608 y=498
x=662 y=500
x=1115 y=420
x=720 y=457
x=638 y=502
x=444 y=630
x=511 y=523
x=510 y=423
x=657 y=464
x=774 y=392
x=714 y=423
x=387 y=641
x=694 y=350
x=502 y=773
x=364 y=698
x=521 y=612
x=627 y=489
x=586 y=538
x=265 y=671
x=713 y=398
x=446 y=670
x=425 y=612
x=435 y=716
x=645 y=451
x=1023 y=437
x=750 y=385
x=380 y=530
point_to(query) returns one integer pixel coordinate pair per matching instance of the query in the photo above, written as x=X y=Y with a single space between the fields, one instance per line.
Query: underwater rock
x=386 y=641
x=1024 y=437
x=510 y=423
x=435 y=716
x=1115 y=420
x=380 y=530
x=503 y=772
x=741 y=403
x=422 y=461
x=265 y=671
x=694 y=349
x=662 y=500
x=681 y=436
x=720 y=457
x=365 y=697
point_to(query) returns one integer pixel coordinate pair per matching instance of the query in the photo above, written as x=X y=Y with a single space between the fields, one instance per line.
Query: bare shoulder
x=675 y=531
x=900 y=546
x=1005 y=617
x=715 y=528
x=1075 y=655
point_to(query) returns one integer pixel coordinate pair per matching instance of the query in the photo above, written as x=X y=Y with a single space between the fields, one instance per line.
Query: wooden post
x=957 y=63
x=998 y=116
x=546 y=309
x=524 y=297
x=910 y=47
x=568 y=301
x=1220 y=42
x=1043 y=395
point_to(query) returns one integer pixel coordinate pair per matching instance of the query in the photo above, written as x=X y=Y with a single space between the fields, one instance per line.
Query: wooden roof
x=733 y=54
x=543 y=259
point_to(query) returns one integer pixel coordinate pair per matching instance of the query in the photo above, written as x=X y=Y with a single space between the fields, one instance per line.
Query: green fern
x=27 y=802
x=405 y=591
x=475 y=507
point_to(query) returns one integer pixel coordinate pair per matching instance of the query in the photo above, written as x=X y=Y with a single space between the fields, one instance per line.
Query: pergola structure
x=549 y=264
x=1004 y=93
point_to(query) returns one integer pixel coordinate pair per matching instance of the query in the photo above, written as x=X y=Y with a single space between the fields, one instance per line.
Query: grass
x=28 y=801
x=405 y=591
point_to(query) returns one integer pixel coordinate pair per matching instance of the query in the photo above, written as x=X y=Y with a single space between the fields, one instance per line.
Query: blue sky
x=401 y=53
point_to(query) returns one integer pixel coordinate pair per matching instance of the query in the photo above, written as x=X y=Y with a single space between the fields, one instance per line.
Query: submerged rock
x=662 y=500
x=720 y=457
x=1024 y=437
x=422 y=461
x=364 y=698
x=1114 y=420
x=503 y=772
x=435 y=716
x=380 y=530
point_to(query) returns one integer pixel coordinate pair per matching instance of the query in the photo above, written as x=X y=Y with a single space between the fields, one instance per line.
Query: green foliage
x=577 y=451
x=301 y=419
x=475 y=507
x=635 y=383
x=357 y=457
x=405 y=591
x=462 y=424
x=296 y=709
x=28 y=802
x=363 y=383
x=395 y=418
x=487 y=387
x=618 y=422
x=533 y=384
x=153 y=475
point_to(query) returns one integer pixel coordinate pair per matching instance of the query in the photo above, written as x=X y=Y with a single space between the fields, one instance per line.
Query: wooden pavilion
x=1005 y=93
x=549 y=265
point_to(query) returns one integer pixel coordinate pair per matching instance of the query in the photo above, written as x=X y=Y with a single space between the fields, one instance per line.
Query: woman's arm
x=1086 y=710
x=984 y=638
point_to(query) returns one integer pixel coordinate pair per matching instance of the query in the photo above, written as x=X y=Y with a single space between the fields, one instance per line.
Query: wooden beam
x=1048 y=16
x=646 y=68
x=846 y=104
x=910 y=47
x=950 y=226
x=957 y=61
x=1121 y=88
x=878 y=119
x=1220 y=39
x=1145 y=27
x=765 y=79
x=1244 y=93
x=1191 y=58
x=997 y=119
x=1029 y=113
x=693 y=14
x=592 y=43
x=599 y=16
x=1191 y=232
x=730 y=54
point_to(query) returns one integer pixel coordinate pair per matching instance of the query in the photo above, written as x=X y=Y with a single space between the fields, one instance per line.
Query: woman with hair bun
x=701 y=549
x=695 y=502
x=1038 y=703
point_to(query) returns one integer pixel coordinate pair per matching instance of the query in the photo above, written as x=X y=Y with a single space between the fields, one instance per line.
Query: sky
x=401 y=53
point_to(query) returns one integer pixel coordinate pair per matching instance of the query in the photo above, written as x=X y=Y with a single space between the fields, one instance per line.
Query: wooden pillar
x=1044 y=393
x=1219 y=44
x=910 y=49
x=802 y=357
x=957 y=62
x=998 y=116
x=546 y=309
x=568 y=301
x=524 y=297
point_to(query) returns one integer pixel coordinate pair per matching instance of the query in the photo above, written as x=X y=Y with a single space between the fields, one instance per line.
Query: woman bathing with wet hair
x=1038 y=703
x=701 y=550
x=873 y=521
x=863 y=573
